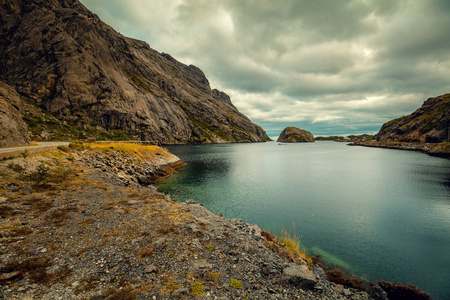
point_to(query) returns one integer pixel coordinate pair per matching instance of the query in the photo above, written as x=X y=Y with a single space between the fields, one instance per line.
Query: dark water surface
x=377 y=213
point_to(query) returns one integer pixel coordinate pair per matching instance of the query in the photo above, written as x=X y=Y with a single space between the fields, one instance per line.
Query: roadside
x=40 y=146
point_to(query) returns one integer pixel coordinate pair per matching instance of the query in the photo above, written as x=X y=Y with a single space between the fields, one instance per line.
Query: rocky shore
x=434 y=149
x=77 y=224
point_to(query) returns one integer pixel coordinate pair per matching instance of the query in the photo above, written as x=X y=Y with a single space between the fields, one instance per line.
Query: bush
x=77 y=146
x=60 y=174
x=40 y=176
x=17 y=168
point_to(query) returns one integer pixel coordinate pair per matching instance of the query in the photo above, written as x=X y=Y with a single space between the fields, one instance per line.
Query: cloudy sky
x=327 y=66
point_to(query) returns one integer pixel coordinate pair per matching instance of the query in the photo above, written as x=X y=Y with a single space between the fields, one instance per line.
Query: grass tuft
x=292 y=245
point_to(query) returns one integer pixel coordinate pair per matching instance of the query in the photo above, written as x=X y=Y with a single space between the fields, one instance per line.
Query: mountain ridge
x=63 y=58
x=428 y=124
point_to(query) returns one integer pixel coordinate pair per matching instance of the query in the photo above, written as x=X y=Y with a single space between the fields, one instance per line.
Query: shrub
x=25 y=154
x=77 y=146
x=60 y=174
x=16 y=167
x=40 y=175
x=64 y=149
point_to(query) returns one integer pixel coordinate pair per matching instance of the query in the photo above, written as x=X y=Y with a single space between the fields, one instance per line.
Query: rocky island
x=295 y=135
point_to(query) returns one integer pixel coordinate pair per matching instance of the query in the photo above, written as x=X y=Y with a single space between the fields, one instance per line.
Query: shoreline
x=433 y=149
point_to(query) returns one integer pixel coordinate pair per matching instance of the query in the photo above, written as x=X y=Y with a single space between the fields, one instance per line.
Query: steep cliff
x=295 y=135
x=13 y=130
x=428 y=124
x=64 y=59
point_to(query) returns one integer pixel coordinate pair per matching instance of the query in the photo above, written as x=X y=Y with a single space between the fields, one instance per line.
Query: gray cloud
x=328 y=65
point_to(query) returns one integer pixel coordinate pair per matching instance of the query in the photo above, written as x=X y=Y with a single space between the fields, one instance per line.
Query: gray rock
x=3 y=200
x=320 y=273
x=150 y=269
x=300 y=276
x=152 y=188
x=12 y=187
x=202 y=265
x=346 y=292
x=9 y=276
x=180 y=292
x=13 y=130
x=377 y=293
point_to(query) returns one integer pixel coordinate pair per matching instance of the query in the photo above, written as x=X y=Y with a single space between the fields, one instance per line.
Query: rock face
x=428 y=124
x=295 y=135
x=67 y=61
x=13 y=130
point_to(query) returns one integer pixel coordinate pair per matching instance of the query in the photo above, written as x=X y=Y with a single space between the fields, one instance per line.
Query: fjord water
x=377 y=213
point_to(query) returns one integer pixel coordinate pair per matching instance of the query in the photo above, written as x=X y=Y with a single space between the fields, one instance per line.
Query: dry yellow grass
x=141 y=151
x=293 y=246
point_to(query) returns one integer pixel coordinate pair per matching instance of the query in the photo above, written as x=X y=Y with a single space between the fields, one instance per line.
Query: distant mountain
x=428 y=124
x=63 y=59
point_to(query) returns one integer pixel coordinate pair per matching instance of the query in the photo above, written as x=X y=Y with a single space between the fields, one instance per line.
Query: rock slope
x=92 y=235
x=64 y=59
x=13 y=130
x=428 y=124
x=295 y=135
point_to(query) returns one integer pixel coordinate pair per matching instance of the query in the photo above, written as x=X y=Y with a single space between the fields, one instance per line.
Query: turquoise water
x=377 y=213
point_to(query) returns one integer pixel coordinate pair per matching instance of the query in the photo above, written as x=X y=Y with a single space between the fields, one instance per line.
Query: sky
x=332 y=67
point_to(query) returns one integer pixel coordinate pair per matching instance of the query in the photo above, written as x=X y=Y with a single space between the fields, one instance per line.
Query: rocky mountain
x=295 y=135
x=63 y=59
x=13 y=130
x=428 y=124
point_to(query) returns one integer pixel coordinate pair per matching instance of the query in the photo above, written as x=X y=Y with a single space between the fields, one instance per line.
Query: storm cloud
x=330 y=67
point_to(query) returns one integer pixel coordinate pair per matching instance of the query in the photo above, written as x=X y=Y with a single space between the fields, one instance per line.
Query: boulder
x=300 y=276
x=377 y=293
x=295 y=135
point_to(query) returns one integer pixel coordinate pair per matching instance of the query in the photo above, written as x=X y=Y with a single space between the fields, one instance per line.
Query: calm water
x=379 y=214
